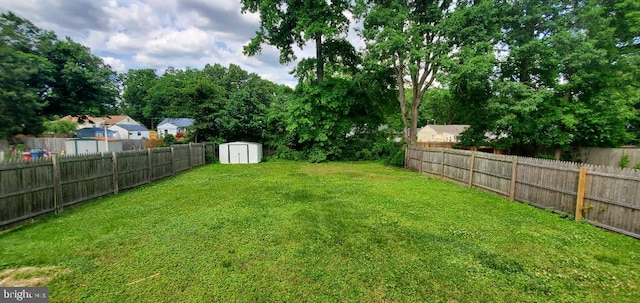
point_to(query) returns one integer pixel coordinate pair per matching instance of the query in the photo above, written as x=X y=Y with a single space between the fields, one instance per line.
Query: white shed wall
x=73 y=147
x=240 y=153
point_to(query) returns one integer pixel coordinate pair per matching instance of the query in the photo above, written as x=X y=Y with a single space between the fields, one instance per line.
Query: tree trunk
x=415 y=105
x=402 y=99
x=319 y=60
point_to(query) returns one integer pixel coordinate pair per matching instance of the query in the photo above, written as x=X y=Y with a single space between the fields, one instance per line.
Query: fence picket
x=610 y=196
x=30 y=188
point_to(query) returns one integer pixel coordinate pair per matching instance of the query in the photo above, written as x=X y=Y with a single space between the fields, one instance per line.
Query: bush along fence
x=607 y=197
x=36 y=187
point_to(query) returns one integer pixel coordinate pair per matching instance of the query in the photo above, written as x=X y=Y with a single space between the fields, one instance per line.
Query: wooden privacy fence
x=607 y=197
x=58 y=144
x=32 y=188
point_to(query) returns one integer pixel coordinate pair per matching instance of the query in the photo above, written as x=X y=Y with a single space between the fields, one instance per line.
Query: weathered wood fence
x=607 y=197
x=58 y=144
x=32 y=188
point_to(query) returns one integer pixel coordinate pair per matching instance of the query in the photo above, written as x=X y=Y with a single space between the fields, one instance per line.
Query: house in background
x=174 y=126
x=441 y=133
x=131 y=131
x=91 y=121
x=125 y=126
x=96 y=132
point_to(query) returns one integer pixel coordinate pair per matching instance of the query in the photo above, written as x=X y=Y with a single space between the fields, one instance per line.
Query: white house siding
x=130 y=134
x=139 y=135
x=174 y=126
x=123 y=133
x=167 y=129
x=440 y=133
x=427 y=134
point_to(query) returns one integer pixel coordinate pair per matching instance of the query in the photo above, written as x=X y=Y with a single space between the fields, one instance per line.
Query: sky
x=159 y=34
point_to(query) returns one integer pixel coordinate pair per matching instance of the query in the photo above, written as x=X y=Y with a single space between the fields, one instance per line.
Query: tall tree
x=410 y=37
x=20 y=104
x=564 y=75
x=24 y=73
x=137 y=84
x=82 y=83
x=600 y=64
x=288 y=23
x=243 y=117
x=43 y=76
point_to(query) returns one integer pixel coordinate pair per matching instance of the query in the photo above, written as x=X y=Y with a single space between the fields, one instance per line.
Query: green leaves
x=416 y=39
x=562 y=75
x=41 y=76
x=228 y=103
x=137 y=84
x=285 y=24
x=337 y=119
x=60 y=127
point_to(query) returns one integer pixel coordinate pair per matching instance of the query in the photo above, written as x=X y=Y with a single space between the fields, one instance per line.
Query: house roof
x=109 y=120
x=88 y=119
x=454 y=129
x=133 y=127
x=179 y=122
x=112 y=120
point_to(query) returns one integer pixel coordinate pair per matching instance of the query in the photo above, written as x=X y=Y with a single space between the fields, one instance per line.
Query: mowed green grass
x=335 y=232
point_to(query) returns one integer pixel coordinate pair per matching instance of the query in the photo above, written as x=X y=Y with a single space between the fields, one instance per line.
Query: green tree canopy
x=416 y=39
x=227 y=103
x=41 y=76
x=285 y=24
x=563 y=73
x=137 y=84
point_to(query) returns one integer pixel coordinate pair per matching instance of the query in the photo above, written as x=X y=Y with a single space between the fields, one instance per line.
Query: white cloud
x=158 y=34
x=191 y=42
x=122 y=41
x=116 y=64
x=136 y=17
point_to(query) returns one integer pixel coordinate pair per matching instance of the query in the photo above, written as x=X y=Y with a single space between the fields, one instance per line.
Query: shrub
x=168 y=140
x=396 y=157
x=624 y=161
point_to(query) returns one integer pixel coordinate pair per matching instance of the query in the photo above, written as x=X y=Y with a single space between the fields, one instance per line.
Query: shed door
x=238 y=153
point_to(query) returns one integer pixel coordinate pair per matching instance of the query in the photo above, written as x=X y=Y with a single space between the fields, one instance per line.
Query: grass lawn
x=295 y=232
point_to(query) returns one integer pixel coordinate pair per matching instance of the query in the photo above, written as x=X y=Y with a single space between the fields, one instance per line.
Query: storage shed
x=240 y=152
x=91 y=146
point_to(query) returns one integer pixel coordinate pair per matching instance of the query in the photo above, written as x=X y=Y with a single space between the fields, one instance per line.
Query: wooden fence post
x=114 y=165
x=514 y=176
x=406 y=157
x=582 y=181
x=473 y=161
x=149 y=164
x=442 y=163
x=190 y=162
x=421 y=160
x=57 y=185
x=173 y=162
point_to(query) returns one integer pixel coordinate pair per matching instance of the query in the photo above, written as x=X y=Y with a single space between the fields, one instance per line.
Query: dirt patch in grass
x=29 y=276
